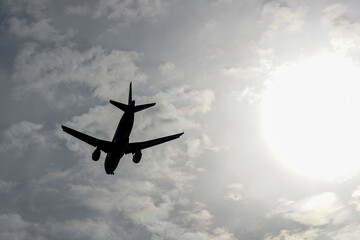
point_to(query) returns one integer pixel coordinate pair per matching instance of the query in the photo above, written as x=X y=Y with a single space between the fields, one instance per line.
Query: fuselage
x=121 y=139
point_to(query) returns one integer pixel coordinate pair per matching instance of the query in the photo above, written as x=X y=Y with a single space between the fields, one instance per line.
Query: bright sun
x=311 y=116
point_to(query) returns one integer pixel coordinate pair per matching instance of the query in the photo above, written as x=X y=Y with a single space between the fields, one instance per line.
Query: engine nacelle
x=96 y=154
x=137 y=156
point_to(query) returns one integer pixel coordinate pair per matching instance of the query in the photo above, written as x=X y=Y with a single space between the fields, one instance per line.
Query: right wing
x=103 y=145
x=132 y=147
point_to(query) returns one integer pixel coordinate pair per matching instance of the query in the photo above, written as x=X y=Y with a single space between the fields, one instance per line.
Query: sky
x=265 y=91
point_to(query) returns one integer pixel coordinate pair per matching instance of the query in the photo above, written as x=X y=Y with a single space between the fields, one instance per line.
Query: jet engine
x=96 y=154
x=137 y=156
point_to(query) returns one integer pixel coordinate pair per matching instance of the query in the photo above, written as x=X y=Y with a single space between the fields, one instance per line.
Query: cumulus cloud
x=234 y=192
x=315 y=211
x=189 y=101
x=343 y=30
x=105 y=73
x=13 y=227
x=80 y=10
x=129 y=10
x=355 y=199
x=220 y=2
x=29 y=20
x=19 y=136
x=200 y=218
x=248 y=95
x=283 y=15
x=6 y=186
x=310 y=234
x=196 y=146
x=81 y=229
x=170 y=73
x=30 y=8
x=40 y=30
x=240 y=72
x=351 y=231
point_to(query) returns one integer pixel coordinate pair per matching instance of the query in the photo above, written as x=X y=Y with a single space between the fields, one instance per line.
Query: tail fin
x=131 y=104
x=130 y=94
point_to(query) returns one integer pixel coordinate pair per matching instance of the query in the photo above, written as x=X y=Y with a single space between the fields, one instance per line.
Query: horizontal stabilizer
x=143 y=106
x=122 y=106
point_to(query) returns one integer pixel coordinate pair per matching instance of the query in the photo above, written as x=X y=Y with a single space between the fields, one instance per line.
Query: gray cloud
x=170 y=73
x=13 y=227
x=31 y=8
x=19 y=136
x=43 y=71
x=40 y=30
x=129 y=10
x=81 y=10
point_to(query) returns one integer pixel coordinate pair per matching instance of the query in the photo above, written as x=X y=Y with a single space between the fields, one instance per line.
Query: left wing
x=105 y=146
x=132 y=147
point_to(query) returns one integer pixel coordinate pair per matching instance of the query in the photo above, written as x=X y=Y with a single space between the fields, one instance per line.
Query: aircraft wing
x=132 y=147
x=105 y=146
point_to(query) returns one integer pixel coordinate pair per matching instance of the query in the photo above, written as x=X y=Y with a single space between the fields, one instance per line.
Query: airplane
x=119 y=146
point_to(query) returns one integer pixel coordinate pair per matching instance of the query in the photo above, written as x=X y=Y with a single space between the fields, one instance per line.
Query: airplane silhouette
x=120 y=144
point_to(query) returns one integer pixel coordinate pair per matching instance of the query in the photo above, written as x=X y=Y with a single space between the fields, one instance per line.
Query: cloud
x=343 y=30
x=18 y=137
x=355 y=199
x=201 y=219
x=248 y=95
x=13 y=227
x=40 y=30
x=80 y=10
x=351 y=231
x=234 y=192
x=315 y=211
x=7 y=186
x=189 y=101
x=30 y=8
x=43 y=71
x=129 y=10
x=81 y=229
x=170 y=73
x=283 y=15
x=28 y=19
x=240 y=72
x=292 y=235
x=196 y=146
x=220 y=2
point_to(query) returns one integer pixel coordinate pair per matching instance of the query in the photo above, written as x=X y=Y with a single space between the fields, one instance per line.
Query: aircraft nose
x=107 y=165
x=108 y=171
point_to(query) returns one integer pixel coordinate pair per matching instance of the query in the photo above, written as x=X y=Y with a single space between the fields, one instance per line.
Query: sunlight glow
x=311 y=116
